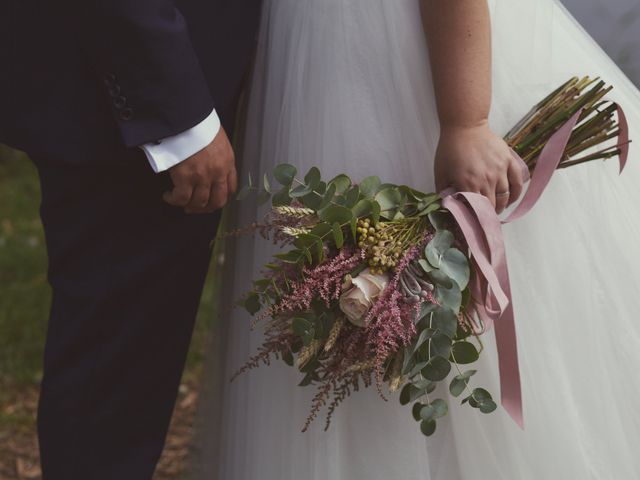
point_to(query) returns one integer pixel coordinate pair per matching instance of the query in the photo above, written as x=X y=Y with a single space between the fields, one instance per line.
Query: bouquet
x=383 y=285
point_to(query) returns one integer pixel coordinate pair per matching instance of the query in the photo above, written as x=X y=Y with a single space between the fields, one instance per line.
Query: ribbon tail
x=507 y=345
x=623 y=137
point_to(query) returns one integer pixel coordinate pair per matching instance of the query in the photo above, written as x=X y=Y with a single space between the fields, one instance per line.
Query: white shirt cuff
x=168 y=152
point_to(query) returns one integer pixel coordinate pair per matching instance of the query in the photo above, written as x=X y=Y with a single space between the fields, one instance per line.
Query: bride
x=356 y=86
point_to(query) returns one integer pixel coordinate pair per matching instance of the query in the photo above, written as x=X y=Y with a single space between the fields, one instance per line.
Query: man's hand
x=204 y=181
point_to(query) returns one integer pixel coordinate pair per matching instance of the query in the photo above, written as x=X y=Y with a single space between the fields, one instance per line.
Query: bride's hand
x=474 y=159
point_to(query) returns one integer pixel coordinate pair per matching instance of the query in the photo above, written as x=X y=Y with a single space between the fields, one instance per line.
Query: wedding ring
x=503 y=194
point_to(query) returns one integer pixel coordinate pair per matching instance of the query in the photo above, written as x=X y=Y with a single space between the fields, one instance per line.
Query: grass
x=25 y=293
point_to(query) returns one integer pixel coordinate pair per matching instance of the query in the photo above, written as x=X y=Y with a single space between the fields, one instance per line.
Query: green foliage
x=344 y=213
x=284 y=174
x=24 y=293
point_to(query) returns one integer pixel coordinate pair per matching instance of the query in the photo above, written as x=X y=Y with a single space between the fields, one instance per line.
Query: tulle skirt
x=345 y=85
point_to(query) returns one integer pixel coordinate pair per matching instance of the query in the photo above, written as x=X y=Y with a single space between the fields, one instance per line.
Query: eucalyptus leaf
x=446 y=321
x=439 y=244
x=487 y=406
x=363 y=208
x=342 y=183
x=282 y=198
x=422 y=384
x=436 y=409
x=426 y=309
x=407 y=360
x=463 y=333
x=467 y=375
x=329 y=194
x=426 y=266
x=415 y=411
x=439 y=278
x=455 y=265
x=457 y=386
x=375 y=212
x=252 y=303
x=464 y=353
x=389 y=199
x=410 y=393
x=416 y=369
x=480 y=395
x=312 y=178
x=340 y=200
x=354 y=229
x=300 y=191
x=308 y=378
x=428 y=428
x=285 y=173
x=306 y=251
x=291 y=256
x=428 y=209
x=460 y=383
x=336 y=214
x=449 y=297
x=437 y=369
x=287 y=357
x=429 y=199
x=440 y=219
x=338 y=236
x=425 y=335
x=369 y=186
x=314 y=199
x=441 y=345
x=307 y=240
x=322 y=230
x=300 y=326
x=352 y=196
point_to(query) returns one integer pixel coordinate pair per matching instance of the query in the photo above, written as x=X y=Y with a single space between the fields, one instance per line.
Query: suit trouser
x=127 y=272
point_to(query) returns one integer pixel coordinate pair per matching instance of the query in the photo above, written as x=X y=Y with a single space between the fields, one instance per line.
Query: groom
x=120 y=104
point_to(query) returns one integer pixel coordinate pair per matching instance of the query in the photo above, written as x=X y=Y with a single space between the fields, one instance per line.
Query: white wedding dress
x=345 y=85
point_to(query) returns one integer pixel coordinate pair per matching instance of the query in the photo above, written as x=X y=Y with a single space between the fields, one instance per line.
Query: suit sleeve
x=142 y=53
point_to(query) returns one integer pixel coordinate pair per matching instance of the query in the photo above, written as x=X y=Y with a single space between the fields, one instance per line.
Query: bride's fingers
x=489 y=191
x=502 y=194
x=516 y=180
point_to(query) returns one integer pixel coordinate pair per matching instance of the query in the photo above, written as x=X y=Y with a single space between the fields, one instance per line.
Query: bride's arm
x=470 y=156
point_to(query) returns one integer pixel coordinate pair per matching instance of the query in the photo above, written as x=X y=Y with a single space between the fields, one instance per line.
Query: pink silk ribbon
x=490 y=287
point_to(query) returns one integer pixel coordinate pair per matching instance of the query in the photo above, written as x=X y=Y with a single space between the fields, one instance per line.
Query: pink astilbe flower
x=324 y=281
x=390 y=322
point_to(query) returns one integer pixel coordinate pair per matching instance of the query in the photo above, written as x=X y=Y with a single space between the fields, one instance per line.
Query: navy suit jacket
x=85 y=80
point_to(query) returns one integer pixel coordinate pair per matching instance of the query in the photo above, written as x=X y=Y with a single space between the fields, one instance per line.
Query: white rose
x=360 y=293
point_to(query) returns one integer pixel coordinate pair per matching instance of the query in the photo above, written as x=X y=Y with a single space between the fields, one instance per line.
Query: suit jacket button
x=126 y=114
x=119 y=102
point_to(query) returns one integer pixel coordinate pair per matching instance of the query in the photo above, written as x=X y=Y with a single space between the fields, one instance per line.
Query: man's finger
x=218 y=196
x=232 y=182
x=179 y=196
x=200 y=198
